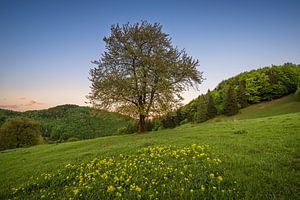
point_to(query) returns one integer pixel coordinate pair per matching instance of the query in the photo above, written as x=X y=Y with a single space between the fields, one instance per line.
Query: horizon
x=46 y=47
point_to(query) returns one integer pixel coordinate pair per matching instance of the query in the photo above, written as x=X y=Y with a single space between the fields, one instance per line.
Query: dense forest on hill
x=72 y=122
x=242 y=90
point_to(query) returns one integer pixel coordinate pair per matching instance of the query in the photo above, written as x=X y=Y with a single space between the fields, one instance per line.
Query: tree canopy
x=141 y=73
x=248 y=88
x=19 y=132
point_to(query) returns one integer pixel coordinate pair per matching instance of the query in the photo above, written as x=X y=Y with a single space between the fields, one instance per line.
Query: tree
x=211 y=107
x=19 y=132
x=141 y=73
x=201 y=114
x=242 y=95
x=230 y=104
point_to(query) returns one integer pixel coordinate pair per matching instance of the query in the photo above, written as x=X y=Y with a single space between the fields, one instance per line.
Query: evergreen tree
x=211 y=107
x=230 y=104
x=242 y=95
x=201 y=114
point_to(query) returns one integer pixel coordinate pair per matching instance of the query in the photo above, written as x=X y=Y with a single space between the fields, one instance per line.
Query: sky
x=46 y=47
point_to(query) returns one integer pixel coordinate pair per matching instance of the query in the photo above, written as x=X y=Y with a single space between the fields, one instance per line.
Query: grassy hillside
x=283 y=105
x=261 y=155
x=71 y=121
x=248 y=88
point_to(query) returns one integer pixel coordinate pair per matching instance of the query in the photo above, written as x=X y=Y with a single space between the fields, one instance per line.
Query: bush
x=129 y=129
x=19 y=132
x=158 y=125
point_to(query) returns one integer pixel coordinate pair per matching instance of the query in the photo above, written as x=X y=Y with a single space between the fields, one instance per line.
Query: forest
x=240 y=91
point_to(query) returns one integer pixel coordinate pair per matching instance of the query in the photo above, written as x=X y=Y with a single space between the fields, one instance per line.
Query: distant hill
x=72 y=122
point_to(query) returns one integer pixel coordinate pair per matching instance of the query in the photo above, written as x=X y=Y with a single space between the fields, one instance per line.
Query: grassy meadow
x=260 y=156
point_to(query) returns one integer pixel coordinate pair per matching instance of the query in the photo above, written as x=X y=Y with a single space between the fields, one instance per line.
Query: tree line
x=233 y=94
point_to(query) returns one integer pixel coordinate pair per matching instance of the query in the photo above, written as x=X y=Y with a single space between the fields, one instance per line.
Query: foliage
x=157 y=124
x=158 y=172
x=202 y=110
x=19 y=132
x=242 y=97
x=211 y=107
x=63 y=122
x=129 y=129
x=141 y=73
x=251 y=87
x=230 y=104
x=297 y=93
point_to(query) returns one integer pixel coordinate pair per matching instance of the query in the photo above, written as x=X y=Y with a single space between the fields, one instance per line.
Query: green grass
x=165 y=172
x=283 y=105
x=263 y=159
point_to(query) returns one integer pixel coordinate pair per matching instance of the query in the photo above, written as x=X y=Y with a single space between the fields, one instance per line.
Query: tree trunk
x=142 y=124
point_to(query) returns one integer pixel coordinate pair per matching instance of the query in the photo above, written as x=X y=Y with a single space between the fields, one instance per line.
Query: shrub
x=129 y=129
x=19 y=132
x=158 y=125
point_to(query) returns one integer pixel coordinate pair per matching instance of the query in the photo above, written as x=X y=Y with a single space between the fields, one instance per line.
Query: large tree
x=140 y=73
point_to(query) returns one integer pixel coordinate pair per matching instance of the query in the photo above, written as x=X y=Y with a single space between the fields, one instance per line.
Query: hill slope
x=264 y=160
x=283 y=105
x=71 y=121
x=247 y=88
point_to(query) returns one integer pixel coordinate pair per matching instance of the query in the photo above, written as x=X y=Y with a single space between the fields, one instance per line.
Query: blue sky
x=46 y=46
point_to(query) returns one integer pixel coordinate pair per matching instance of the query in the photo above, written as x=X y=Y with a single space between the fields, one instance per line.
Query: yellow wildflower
x=138 y=189
x=202 y=188
x=220 y=178
x=76 y=191
x=110 y=188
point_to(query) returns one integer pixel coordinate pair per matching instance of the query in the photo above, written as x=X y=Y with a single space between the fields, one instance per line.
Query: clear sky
x=46 y=46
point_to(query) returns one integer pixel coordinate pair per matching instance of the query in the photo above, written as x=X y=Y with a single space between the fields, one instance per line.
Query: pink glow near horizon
x=22 y=104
